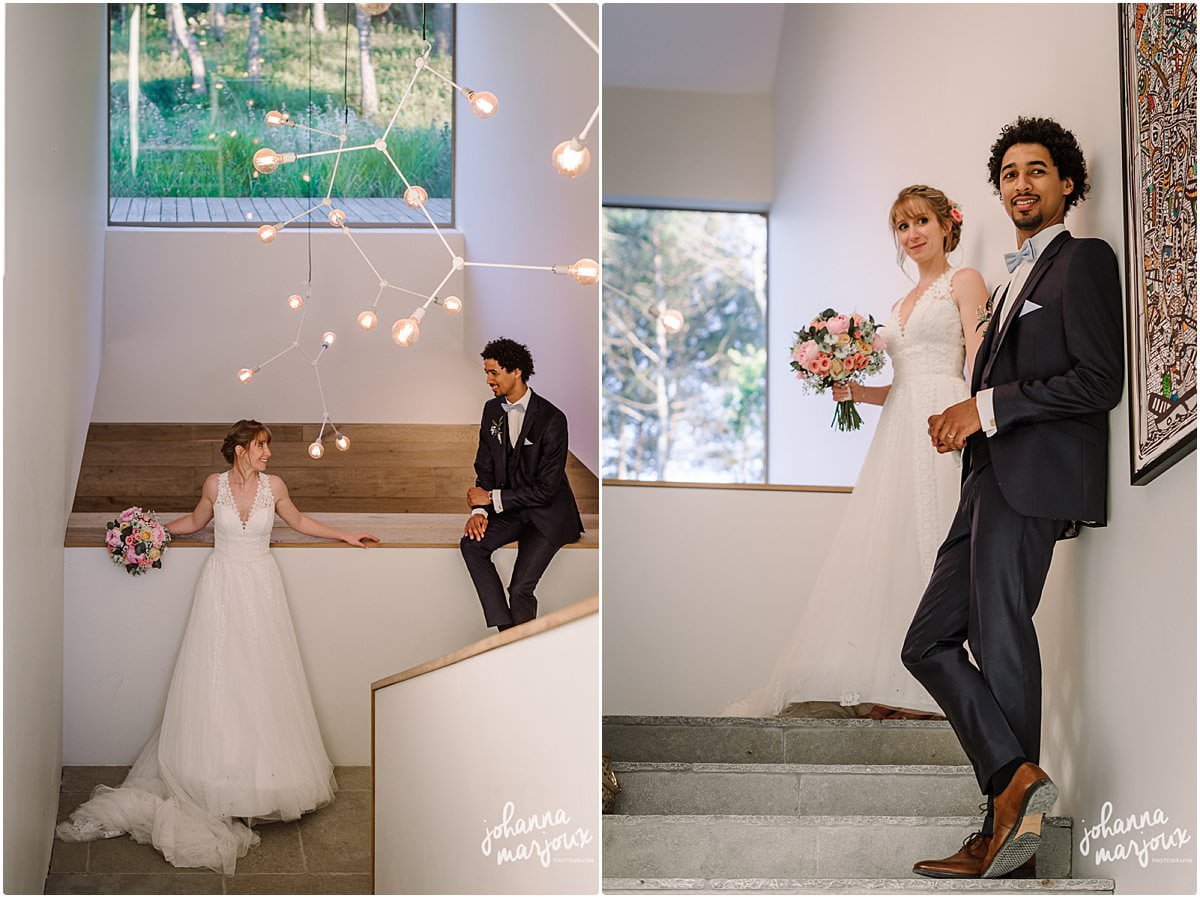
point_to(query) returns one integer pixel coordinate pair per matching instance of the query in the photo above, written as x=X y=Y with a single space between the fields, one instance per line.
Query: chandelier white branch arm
x=405 y=331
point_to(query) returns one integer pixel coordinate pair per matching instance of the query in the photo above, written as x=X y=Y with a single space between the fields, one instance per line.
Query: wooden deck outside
x=199 y=210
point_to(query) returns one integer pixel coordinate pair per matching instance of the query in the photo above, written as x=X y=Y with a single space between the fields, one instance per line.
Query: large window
x=685 y=312
x=190 y=85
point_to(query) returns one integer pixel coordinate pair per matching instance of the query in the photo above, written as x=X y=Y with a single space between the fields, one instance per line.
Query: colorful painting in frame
x=1158 y=87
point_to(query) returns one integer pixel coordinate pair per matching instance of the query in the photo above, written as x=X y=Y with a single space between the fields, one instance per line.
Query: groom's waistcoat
x=1056 y=368
x=530 y=471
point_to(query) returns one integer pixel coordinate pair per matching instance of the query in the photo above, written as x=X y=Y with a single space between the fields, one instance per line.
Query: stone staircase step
x=755 y=740
x=798 y=847
x=859 y=886
x=799 y=789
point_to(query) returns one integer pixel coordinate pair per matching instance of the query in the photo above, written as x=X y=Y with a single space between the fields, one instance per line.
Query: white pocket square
x=528 y=442
x=1029 y=306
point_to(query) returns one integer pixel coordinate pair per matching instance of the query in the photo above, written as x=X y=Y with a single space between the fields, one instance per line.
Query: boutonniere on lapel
x=983 y=317
x=498 y=430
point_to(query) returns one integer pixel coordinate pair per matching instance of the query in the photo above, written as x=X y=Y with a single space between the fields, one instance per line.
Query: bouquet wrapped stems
x=846 y=416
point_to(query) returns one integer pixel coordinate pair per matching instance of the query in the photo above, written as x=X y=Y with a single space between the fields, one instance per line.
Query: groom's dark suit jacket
x=1056 y=372
x=531 y=476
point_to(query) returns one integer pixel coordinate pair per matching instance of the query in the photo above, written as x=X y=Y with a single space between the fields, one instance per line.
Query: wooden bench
x=417 y=470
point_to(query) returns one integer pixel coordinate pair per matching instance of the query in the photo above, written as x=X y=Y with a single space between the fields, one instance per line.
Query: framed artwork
x=1158 y=97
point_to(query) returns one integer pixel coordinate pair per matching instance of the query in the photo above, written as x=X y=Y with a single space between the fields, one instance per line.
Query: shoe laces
x=972 y=839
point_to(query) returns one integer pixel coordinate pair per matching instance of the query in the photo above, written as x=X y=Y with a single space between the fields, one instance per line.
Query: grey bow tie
x=509 y=406
x=1026 y=253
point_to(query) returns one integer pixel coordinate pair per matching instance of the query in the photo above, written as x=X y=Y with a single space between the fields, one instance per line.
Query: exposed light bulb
x=672 y=320
x=267 y=160
x=267 y=233
x=316 y=449
x=416 y=196
x=245 y=374
x=327 y=338
x=276 y=119
x=571 y=158
x=452 y=304
x=295 y=301
x=342 y=442
x=406 y=332
x=337 y=218
x=367 y=319
x=483 y=103
x=586 y=271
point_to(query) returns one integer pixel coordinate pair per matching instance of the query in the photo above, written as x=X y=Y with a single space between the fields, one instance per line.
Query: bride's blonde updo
x=242 y=434
x=914 y=200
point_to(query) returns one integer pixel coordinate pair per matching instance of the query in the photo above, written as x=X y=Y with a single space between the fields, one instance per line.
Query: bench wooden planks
x=390 y=468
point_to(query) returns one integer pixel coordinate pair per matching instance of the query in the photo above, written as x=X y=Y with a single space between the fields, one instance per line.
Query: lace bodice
x=931 y=341
x=243 y=540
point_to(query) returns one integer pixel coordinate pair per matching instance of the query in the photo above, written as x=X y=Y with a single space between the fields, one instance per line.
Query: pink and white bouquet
x=837 y=348
x=137 y=540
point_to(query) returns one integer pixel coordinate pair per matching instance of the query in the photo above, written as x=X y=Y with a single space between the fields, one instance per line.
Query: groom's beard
x=1033 y=223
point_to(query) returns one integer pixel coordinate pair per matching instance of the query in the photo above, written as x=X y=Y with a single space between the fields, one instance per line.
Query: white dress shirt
x=516 y=420
x=1008 y=304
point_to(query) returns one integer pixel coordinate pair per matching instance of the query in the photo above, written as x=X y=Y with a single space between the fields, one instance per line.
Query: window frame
x=726 y=209
x=255 y=223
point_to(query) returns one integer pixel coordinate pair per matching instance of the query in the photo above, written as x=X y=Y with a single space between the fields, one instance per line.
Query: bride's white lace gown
x=851 y=625
x=239 y=738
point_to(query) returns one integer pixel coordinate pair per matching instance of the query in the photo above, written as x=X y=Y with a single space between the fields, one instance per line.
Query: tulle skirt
x=239 y=738
x=851 y=625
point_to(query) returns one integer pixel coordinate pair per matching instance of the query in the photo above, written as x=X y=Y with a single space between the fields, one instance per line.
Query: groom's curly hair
x=510 y=355
x=1064 y=153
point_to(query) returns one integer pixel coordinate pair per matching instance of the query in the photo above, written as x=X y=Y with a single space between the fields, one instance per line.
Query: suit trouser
x=534 y=553
x=986 y=585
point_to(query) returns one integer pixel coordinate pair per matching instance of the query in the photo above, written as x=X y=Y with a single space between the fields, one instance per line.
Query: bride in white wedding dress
x=239 y=739
x=846 y=646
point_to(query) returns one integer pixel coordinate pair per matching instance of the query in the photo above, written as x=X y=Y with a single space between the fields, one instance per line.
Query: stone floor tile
x=134 y=884
x=279 y=851
x=68 y=857
x=337 y=839
x=69 y=801
x=123 y=855
x=85 y=779
x=304 y=884
x=353 y=777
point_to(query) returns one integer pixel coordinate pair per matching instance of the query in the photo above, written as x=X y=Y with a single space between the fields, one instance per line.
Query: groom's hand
x=476 y=527
x=950 y=429
x=477 y=496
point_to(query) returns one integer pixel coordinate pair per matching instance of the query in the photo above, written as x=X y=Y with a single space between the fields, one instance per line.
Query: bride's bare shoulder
x=966 y=285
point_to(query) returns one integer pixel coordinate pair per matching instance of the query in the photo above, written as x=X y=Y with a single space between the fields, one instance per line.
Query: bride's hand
x=360 y=539
x=842 y=392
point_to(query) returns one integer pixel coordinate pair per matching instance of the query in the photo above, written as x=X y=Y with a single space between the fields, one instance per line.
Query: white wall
x=532 y=704
x=689 y=149
x=54 y=210
x=699 y=590
x=201 y=304
x=359 y=616
x=514 y=208
x=891 y=112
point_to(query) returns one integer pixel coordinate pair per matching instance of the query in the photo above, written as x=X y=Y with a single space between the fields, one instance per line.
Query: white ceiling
x=728 y=48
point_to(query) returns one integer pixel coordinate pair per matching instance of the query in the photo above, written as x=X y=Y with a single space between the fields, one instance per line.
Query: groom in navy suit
x=521 y=491
x=1034 y=436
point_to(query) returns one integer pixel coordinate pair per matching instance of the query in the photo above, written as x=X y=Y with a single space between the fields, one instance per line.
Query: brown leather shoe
x=963 y=864
x=1017 y=829
x=967 y=863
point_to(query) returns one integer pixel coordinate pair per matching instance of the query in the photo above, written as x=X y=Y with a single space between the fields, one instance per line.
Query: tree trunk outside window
x=366 y=69
x=320 y=23
x=254 y=43
x=185 y=36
